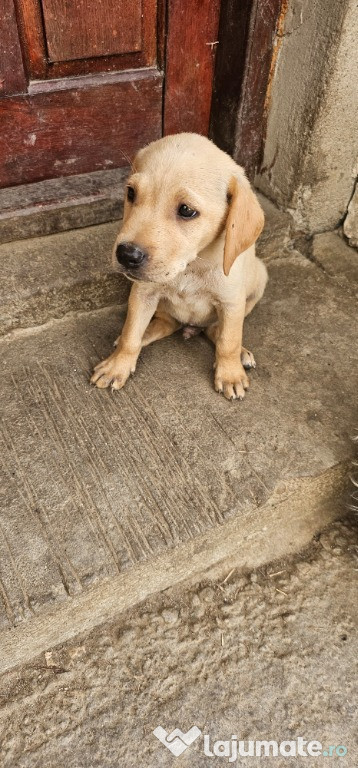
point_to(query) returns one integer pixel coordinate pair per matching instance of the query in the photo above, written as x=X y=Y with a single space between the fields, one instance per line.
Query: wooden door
x=82 y=81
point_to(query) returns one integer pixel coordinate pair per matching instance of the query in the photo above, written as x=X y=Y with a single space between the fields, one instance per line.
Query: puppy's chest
x=190 y=300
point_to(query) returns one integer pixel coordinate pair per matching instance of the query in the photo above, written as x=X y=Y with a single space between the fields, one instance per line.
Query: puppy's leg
x=247 y=357
x=212 y=332
x=230 y=376
x=161 y=326
x=259 y=286
x=116 y=369
x=257 y=289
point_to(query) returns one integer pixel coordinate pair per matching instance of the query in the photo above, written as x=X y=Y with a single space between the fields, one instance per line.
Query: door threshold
x=56 y=205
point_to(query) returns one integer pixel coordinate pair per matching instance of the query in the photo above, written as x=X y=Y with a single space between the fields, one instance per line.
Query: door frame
x=250 y=32
x=192 y=28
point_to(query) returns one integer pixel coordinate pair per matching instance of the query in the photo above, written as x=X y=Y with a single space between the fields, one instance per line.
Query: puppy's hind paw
x=247 y=359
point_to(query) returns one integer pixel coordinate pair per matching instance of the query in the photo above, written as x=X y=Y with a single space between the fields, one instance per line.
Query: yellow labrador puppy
x=190 y=224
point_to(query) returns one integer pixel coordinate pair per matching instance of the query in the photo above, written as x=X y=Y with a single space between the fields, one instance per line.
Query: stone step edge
x=18 y=333
x=57 y=205
x=92 y=295
x=283 y=526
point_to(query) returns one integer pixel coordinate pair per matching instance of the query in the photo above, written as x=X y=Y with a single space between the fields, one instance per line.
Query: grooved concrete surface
x=96 y=483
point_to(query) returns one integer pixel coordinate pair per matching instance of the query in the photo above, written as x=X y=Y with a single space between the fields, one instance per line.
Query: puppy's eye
x=130 y=194
x=187 y=213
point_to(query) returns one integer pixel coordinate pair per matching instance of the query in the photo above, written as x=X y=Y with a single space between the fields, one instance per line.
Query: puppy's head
x=182 y=194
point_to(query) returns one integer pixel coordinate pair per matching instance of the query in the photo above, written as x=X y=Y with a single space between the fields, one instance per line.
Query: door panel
x=96 y=105
x=61 y=38
x=81 y=29
x=101 y=126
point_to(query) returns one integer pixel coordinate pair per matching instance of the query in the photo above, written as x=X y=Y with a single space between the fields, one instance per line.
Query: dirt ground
x=265 y=655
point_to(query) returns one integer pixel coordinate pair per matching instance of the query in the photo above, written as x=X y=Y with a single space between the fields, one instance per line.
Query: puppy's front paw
x=114 y=371
x=231 y=379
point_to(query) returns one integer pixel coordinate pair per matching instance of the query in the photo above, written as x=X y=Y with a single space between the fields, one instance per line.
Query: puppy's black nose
x=130 y=256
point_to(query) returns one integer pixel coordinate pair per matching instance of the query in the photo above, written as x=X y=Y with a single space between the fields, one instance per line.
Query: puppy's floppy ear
x=244 y=223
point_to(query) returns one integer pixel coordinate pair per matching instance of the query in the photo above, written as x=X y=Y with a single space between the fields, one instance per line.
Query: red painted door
x=84 y=83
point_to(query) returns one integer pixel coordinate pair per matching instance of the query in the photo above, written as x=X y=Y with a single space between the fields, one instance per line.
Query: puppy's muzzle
x=130 y=256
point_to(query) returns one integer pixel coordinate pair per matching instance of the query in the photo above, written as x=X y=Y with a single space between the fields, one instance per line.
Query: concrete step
x=108 y=498
x=56 y=205
x=47 y=277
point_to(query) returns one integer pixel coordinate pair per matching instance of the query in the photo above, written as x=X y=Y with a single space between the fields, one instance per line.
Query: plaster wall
x=310 y=156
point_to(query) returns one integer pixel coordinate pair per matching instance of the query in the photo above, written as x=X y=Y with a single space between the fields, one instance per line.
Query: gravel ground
x=270 y=654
